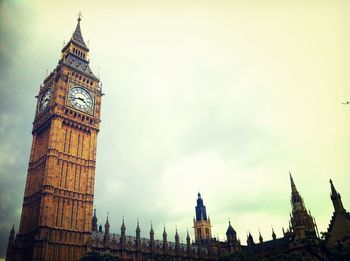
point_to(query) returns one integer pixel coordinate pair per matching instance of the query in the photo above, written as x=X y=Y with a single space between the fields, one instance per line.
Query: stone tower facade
x=201 y=223
x=58 y=199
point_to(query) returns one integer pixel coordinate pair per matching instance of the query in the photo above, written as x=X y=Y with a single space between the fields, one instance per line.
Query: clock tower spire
x=58 y=199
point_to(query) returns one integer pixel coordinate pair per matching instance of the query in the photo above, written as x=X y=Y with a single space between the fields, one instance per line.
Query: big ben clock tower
x=58 y=198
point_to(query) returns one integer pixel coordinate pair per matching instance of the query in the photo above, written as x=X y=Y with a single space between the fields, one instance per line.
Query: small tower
x=336 y=199
x=165 y=242
x=94 y=221
x=122 y=235
x=106 y=235
x=231 y=236
x=151 y=238
x=138 y=236
x=250 y=240
x=151 y=234
x=302 y=222
x=100 y=228
x=339 y=226
x=261 y=240
x=201 y=224
x=188 y=243
x=273 y=234
x=177 y=242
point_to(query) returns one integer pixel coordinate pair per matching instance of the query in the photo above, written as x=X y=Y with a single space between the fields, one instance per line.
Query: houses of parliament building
x=58 y=221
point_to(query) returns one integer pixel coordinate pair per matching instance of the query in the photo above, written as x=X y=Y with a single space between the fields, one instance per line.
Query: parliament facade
x=58 y=221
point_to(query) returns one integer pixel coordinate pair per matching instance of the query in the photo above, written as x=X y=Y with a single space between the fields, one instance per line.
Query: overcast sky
x=221 y=97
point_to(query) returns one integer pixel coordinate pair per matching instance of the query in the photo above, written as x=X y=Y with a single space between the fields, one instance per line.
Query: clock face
x=81 y=99
x=45 y=100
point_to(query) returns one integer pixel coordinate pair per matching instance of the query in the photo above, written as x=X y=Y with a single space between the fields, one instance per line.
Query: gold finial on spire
x=79 y=16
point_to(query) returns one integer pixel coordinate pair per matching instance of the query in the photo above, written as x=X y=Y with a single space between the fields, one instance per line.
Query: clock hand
x=83 y=100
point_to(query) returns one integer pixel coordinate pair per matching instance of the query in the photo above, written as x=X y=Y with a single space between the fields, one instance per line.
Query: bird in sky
x=345 y=103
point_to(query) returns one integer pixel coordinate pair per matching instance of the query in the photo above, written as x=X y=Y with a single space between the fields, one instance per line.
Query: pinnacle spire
x=138 y=230
x=336 y=198
x=333 y=190
x=77 y=36
x=107 y=226
x=176 y=234
x=260 y=237
x=94 y=221
x=201 y=213
x=294 y=189
x=164 y=233
x=273 y=234
x=188 y=235
x=151 y=231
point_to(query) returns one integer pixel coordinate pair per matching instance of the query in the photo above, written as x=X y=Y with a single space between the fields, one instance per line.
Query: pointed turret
x=273 y=234
x=123 y=228
x=100 y=228
x=177 y=242
x=336 y=199
x=296 y=200
x=151 y=233
x=250 y=240
x=201 y=224
x=107 y=226
x=165 y=241
x=138 y=230
x=201 y=213
x=106 y=236
x=292 y=184
x=77 y=37
x=94 y=221
x=339 y=227
x=122 y=235
x=302 y=223
x=260 y=237
x=188 y=243
x=231 y=234
x=138 y=236
x=75 y=54
x=151 y=237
